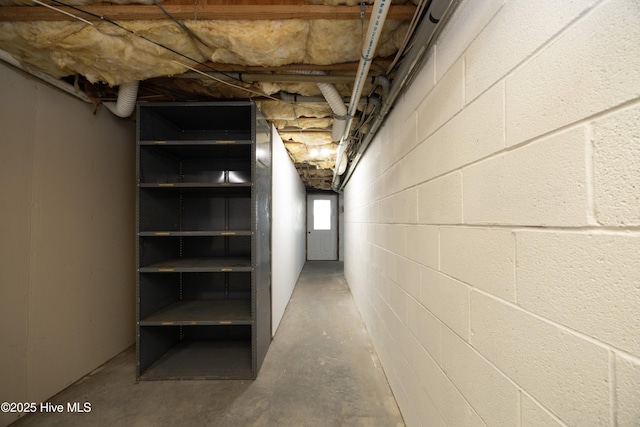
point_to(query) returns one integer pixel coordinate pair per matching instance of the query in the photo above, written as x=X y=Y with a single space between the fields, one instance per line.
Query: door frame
x=335 y=221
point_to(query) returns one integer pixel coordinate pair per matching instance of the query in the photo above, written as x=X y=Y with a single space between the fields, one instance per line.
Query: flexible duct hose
x=127 y=96
x=334 y=99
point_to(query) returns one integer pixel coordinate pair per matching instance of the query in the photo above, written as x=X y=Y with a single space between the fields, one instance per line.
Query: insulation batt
x=106 y=53
x=302 y=154
x=286 y=111
x=308 y=138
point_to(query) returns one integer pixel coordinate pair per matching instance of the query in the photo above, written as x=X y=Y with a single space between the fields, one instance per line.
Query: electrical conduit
x=376 y=22
x=426 y=33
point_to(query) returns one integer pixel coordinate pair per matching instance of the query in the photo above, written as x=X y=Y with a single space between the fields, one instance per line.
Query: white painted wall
x=67 y=276
x=341 y=227
x=288 y=239
x=493 y=226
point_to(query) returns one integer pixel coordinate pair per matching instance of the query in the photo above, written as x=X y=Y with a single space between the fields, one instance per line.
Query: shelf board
x=195 y=185
x=195 y=233
x=202 y=312
x=206 y=360
x=202 y=264
x=198 y=142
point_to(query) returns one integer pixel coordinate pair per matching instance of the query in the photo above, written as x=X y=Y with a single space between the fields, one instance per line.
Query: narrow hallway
x=321 y=370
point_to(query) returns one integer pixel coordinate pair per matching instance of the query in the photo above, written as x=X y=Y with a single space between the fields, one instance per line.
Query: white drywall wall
x=288 y=238
x=67 y=283
x=492 y=228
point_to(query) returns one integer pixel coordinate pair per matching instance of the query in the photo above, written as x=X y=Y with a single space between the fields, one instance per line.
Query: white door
x=322 y=227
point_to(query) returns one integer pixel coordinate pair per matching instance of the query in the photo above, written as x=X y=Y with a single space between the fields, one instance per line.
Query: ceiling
x=272 y=51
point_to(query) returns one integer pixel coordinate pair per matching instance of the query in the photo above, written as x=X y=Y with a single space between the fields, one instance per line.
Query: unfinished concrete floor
x=321 y=370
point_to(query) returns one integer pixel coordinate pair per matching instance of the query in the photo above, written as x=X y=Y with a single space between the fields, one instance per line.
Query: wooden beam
x=199 y=12
x=378 y=67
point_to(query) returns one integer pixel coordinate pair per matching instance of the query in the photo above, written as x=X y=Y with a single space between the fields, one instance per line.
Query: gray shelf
x=195 y=233
x=194 y=185
x=202 y=312
x=203 y=360
x=203 y=252
x=197 y=142
x=199 y=264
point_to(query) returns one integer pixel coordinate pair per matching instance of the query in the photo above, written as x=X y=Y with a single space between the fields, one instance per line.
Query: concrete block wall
x=492 y=237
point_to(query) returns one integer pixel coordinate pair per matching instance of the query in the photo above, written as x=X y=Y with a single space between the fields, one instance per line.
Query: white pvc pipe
x=424 y=36
x=126 y=102
x=376 y=22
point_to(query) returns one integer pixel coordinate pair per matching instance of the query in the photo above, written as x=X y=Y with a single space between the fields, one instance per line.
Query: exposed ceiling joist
x=284 y=54
x=379 y=67
x=218 y=12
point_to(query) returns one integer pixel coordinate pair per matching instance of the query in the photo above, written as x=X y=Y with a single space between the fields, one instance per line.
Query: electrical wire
x=417 y=16
x=64 y=12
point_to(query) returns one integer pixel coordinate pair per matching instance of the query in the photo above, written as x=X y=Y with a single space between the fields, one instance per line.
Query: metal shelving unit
x=203 y=241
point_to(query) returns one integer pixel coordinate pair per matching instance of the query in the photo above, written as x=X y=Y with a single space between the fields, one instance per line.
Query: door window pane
x=322 y=214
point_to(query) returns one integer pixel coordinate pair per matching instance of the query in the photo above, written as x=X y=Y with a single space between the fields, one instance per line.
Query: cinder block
x=476 y=132
x=380 y=235
x=404 y=402
x=400 y=207
x=566 y=374
x=398 y=301
x=412 y=349
x=451 y=405
x=540 y=184
x=465 y=24
x=423 y=245
x=388 y=182
x=588 y=282
x=627 y=392
x=425 y=80
x=426 y=410
x=425 y=327
x=409 y=277
x=415 y=398
x=443 y=102
x=447 y=299
x=419 y=165
x=404 y=139
x=533 y=415
x=473 y=376
x=390 y=263
x=440 y=200
x=382 y=285
x=396 y=239
x=515 y=32
x=481 y=257
x=616 y=160
x=384 y=145
x=593 y=66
